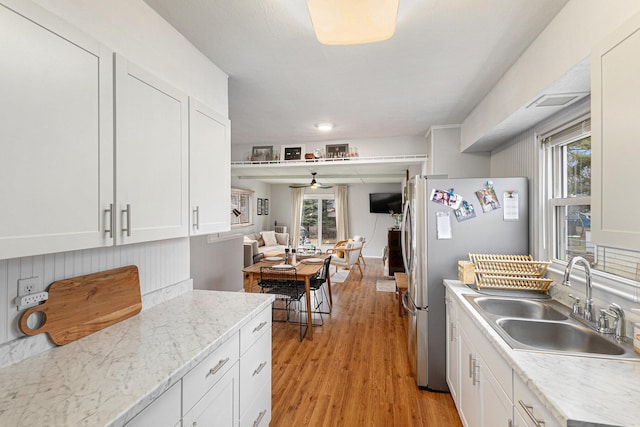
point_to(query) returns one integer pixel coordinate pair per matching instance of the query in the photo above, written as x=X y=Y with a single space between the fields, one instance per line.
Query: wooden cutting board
x=83 y=305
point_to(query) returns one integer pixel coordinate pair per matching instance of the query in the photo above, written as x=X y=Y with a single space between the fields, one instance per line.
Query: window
x=241 y=202
x=318 y=224
x=569 y=161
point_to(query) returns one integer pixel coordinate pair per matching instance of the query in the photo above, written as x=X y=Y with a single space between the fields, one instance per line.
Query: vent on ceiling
x=557 y=100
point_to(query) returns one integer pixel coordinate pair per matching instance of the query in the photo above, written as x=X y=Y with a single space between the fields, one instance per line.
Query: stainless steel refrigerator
x=443 y=221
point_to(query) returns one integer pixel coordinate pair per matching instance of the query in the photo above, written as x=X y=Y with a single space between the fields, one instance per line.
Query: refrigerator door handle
x=403 y=239
x=405 y=303
x=409 y=306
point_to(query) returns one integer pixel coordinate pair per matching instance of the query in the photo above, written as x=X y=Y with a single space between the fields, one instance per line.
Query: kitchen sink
x=545 y=325
x=528 y=309
x=557 y=336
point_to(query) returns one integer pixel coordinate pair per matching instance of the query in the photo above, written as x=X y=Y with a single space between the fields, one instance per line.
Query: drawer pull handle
x=260 y=326
x=259 y=368
x=256 y=423
x=528 y=409
x=216 y=368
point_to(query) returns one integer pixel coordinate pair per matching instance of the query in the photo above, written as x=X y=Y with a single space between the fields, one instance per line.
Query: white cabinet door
x=496 y=407
x=470 y=396
x=56 y=175
x=209 y=170
x=151 y=156
x=220 y=406
x=453 y=349
x=615 y=102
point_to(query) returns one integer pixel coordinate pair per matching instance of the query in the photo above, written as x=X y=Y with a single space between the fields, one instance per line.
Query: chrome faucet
x=618 y=315
x=588 y=303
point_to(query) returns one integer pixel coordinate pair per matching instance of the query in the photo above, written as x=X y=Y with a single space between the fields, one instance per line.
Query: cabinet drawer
x=523 y=396
x=219 y=406
x=255 y=371
x=164 y=411
x=259 y=412
x=201 y=378
x=253 y=330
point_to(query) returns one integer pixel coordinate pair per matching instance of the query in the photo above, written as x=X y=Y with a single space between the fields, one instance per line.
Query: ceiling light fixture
x=340 y=22
x=325 y=126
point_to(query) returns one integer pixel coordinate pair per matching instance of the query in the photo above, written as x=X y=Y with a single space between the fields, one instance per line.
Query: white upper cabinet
x=209 y=169
x=615 y=102
x=151 y=156
x=56 y=156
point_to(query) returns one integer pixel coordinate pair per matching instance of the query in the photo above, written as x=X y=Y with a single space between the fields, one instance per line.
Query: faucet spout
x=587 y=269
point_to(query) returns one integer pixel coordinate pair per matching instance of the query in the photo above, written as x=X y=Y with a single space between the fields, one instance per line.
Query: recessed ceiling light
x=325 y=126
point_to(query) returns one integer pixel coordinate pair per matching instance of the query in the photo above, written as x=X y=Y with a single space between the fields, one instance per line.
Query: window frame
x=618 y=285
x=250 y=195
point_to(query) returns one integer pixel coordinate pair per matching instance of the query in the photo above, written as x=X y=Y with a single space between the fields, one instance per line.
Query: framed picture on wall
x=265 y=207
x=293 y=152
x=262 y=153
x=259 y=206
x=337 y=151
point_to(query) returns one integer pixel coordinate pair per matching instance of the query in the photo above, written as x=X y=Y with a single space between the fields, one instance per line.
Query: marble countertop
x=578 y=391
x=108 y=377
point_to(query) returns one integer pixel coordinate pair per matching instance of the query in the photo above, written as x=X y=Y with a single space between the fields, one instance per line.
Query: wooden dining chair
x=282 y=281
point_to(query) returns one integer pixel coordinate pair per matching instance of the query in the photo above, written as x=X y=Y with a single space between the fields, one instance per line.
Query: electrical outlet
x=26 y=301
x=29 y=285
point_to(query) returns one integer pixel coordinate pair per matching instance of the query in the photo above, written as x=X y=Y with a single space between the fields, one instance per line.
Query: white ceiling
x=443 y=59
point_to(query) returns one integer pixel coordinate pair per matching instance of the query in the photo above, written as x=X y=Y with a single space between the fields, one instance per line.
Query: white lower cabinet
x=220 y=405
x=164 y=411
x=529 y=411
x=255 y=371
x=230 y=387
x=486 y=387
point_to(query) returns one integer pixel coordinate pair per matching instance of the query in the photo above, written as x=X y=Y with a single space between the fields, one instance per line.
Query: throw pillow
x=282 y=238
x=269 y=238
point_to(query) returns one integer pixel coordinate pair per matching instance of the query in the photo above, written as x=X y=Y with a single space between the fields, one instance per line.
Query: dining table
x=306 y=268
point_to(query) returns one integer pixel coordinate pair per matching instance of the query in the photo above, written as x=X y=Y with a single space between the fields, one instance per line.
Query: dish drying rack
x=512 y=272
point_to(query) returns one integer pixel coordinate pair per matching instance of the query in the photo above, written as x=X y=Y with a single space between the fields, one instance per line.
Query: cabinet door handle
x=216 y=368
x=260 y=326
x=471 y=363
x=476 y=373
x=259 y=369
x=453 y=332
x=256 y=423
x=196 y=218
x=127 y=213
x=110 y=222
x=528 y=409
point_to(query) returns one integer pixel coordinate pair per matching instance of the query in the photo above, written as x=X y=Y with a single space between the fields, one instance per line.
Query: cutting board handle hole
x=36 y=320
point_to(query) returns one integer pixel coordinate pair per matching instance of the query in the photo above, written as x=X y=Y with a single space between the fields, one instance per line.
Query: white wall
x=132 y=29
x=216 y=264
x=566 y=41
x=445 y=158
x=263 y=191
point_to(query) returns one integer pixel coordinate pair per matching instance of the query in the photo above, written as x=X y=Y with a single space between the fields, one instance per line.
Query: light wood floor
x=355 y=372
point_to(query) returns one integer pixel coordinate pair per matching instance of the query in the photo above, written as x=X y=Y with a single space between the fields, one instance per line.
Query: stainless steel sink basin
x=545 y=325
x=556 y=336
x=528 y=309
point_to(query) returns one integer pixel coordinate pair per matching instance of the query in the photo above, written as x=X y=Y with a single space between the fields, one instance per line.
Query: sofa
x=256 y=245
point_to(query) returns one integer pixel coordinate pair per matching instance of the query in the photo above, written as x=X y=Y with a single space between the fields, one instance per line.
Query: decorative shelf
x=406 y=159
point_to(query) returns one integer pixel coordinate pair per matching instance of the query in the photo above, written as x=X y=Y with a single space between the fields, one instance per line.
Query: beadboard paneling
x=161 y=264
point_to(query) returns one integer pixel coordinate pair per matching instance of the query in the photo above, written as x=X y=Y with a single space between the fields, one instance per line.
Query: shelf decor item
x=337 y=151
x=262 y=153
x=293 y=152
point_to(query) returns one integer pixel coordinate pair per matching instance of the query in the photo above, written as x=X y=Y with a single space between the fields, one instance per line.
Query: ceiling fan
x=312 y=184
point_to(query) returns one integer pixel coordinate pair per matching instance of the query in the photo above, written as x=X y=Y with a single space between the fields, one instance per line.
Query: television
x=385 y=202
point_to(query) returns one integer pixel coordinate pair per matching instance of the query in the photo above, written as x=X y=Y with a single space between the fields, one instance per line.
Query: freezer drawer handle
x=405 y=303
